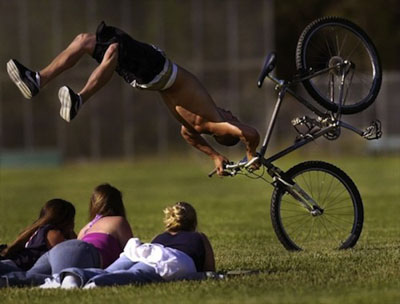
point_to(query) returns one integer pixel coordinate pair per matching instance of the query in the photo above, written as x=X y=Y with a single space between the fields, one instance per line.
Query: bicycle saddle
x=269 y=65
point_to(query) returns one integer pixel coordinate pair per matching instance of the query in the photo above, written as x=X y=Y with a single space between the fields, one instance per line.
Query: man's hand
x=219 y=162
x=253 y=162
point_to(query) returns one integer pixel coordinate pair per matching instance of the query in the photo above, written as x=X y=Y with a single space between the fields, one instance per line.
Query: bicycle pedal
x=296 y=121
x=374 y=131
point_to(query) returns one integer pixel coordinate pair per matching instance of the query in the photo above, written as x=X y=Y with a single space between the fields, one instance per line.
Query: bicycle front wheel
x=340 y=223
x=329 y=42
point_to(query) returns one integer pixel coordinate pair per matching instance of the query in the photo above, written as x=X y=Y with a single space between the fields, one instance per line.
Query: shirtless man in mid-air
x=145 y=67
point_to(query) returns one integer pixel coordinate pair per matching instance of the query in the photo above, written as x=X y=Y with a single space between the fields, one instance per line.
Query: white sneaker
x=24 y=78
x=70 y=103
x=71 y=281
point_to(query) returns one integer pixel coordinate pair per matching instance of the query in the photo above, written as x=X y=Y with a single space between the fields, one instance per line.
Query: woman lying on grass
x=178 y=253
x=98 y=245
x=54 y=225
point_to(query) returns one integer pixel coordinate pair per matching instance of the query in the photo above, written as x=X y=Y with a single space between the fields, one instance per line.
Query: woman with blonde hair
x=180 y=252
x=54 y=225
x=99 y=242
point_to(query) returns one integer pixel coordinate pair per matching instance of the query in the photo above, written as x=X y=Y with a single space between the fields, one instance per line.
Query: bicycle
x=315 y=204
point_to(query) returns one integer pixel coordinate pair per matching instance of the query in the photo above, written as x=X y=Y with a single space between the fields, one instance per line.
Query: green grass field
x=234 y=213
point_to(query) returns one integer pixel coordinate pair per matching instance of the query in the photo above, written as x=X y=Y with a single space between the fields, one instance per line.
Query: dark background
x=223 y=42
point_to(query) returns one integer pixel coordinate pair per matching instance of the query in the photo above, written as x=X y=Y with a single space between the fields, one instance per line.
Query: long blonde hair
x=180 y=217
x=56 y=212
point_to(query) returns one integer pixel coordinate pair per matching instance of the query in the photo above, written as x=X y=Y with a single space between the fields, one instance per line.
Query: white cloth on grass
x=169 y=263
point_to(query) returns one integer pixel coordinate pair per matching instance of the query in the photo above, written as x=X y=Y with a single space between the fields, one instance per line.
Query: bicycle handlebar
x=231 y=169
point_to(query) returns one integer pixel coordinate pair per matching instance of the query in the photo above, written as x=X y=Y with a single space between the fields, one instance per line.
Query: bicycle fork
x=297 y=193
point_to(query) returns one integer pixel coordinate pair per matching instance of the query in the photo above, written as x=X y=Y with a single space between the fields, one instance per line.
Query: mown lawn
x=234 y=213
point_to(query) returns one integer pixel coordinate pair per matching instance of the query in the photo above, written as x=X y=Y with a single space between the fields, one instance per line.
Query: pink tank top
x=107 y=245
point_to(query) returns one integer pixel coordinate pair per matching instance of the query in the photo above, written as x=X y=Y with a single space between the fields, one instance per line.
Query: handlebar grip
x=212 y=172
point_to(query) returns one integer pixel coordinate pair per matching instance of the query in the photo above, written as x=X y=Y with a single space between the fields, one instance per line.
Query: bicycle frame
x=334 y=123
x=283 y=88
x=327 y=124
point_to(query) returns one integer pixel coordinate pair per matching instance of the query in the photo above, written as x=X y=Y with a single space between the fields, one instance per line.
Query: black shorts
x=140 y=64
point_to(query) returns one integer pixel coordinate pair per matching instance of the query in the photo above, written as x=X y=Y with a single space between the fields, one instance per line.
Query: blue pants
x=122 y=272
x=71 y=253
x=7 y=266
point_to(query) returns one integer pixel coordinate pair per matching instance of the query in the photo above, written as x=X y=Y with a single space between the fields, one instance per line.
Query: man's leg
x=102 y=74
x=83 y=44
x=71 y=102
x=30 y=82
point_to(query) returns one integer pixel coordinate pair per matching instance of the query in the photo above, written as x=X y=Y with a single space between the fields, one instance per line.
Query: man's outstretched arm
x=197 y=141
x=248 y=135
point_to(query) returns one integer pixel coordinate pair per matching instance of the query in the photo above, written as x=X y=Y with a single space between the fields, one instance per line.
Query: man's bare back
x=190 y=103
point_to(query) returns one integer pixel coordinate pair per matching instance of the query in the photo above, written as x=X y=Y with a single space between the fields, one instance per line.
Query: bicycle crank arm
x=374 y=131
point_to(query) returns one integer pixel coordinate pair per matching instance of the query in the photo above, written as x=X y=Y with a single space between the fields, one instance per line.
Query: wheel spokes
x=332 y=228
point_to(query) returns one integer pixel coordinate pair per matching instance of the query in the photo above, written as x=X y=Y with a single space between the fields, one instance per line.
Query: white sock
x=71 y=281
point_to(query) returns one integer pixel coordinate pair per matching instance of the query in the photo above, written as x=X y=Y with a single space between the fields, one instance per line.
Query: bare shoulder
x=115 y=220
x=121 y=229
x=118 y=223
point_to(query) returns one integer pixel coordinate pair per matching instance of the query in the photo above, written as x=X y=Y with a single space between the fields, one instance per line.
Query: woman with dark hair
x=54 y=225
x=180 y=252
x=108 y=230
x=99 y=242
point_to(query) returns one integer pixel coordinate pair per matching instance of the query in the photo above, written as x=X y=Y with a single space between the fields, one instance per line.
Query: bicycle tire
x=339 y=226
x=331 y=40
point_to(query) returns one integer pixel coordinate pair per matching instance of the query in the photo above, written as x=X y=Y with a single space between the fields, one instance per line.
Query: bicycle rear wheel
x=340 y=224
x=330 y=41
